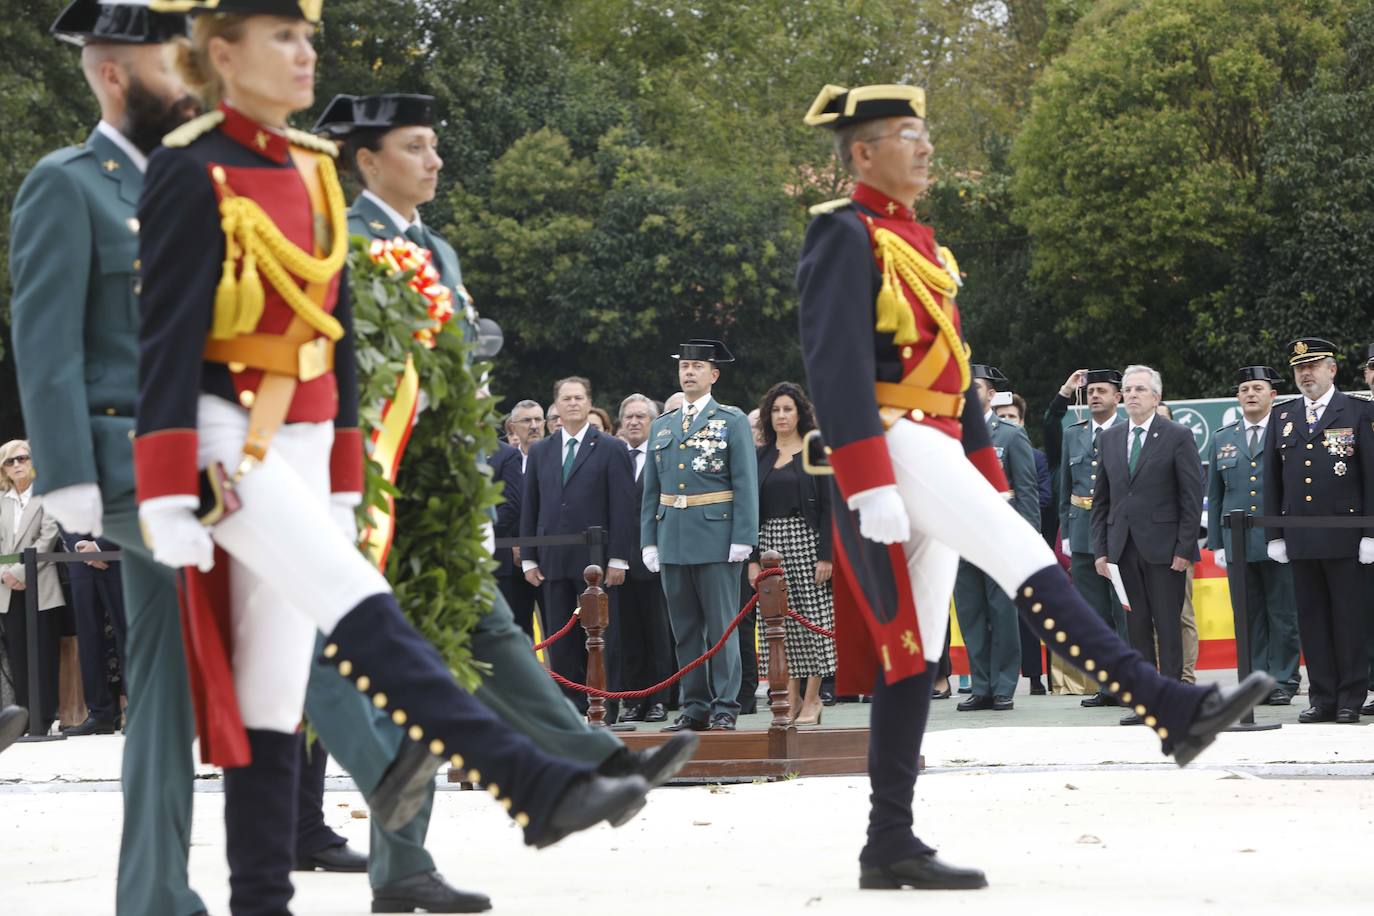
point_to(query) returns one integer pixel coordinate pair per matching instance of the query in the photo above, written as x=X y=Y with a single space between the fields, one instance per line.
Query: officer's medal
x=1338 y=468
x=1287 y=429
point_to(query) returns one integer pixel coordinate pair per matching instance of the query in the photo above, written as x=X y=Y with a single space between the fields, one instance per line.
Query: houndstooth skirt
x=808 y=654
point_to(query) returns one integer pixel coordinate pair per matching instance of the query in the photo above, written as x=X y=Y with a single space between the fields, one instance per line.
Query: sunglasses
x=16 y=459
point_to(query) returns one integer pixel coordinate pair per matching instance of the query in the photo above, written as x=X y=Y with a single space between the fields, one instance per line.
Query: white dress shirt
x=1098 y=428
x=1130 y=435
x=23 y=503
x=637 y=455
x=1319 y=405
x=135 y=154
x=1262 y=424
x=401 y=223
x=579 y=437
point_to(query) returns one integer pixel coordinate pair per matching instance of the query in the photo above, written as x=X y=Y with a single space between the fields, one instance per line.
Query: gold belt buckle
x=680 y=501
x=311 y=359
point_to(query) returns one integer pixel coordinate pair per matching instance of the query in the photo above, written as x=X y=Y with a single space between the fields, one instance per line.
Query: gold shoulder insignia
x=193 y=129
x=828 y=206
x=310 y=141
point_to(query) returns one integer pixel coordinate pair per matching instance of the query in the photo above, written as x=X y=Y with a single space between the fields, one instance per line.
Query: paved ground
x=1066 y=811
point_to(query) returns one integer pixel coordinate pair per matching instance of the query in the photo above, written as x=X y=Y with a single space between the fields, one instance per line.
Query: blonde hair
x=7 y=451
x=191 y=58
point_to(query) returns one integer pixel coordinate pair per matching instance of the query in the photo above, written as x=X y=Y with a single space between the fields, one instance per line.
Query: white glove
x=882 y=515
x=77 y=508
x=1066 y=548
x=740 y=552
x=1219 y=557
x=1278 y=551
x=650 y=557
x=343 y=509
x=1366 y=551
x=176 y=536
x=489 y=537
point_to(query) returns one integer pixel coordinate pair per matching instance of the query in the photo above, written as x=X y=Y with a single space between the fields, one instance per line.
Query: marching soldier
x=248 y=460
x=912 y=461
x=987 y=618
x=698 y=522
x=1235 y=480
x=1319 y=461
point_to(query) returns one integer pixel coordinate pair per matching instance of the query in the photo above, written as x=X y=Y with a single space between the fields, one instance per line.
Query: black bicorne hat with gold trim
x=1310 y=350
x=838 y=107
x=348 y=113
x=309 y=10
x=711 y=351
x=130 y=23
x=1258 y=374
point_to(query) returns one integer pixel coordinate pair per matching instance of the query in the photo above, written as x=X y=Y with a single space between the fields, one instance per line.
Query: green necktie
x=417 y=235
x=568 y=459
x=1134 y=458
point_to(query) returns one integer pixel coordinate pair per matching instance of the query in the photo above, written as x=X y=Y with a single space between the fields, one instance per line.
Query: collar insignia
x=110 y=165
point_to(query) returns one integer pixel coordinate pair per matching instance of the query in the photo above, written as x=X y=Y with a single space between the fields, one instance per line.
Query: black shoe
x=1279 y=697
x=404 y=786
x=1367 y=709
x=975 y=703
x=590 y=800
x=656 y=764
x=827 y=697
x=1002 y=704
x=965 y=690
x=1316 y=714
x=632 y=713
x=940 y=694
x=656 y=713
x=1347 y=716
x=1037 y=687
x=1218 y=711
x=722 y=722
x=685 y=722
x=1132 y=719
x=427 y=891
x=332 y=858
x=925 y=873
x=1096 y=699
x=13 y=721
x=90 y=727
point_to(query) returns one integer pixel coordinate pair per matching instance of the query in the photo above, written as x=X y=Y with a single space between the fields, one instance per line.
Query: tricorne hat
x=1103 y=376
x=347 y=113
x=712 y=351
x=128 y=22
x=1257 y=374
x=989 y=373
x=838 y=107
x=309 y=10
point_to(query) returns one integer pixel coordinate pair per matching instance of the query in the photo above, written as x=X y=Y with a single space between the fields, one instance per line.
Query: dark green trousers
x=992 y=632
x=159 y=728
x=1098 y=592
x=702 y=600
x=1271 y=610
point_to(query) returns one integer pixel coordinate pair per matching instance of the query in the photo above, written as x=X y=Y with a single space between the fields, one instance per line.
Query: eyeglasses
x=16 y=459
x=906 y=134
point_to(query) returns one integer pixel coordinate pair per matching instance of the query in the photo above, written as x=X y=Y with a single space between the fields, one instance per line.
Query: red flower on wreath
x=401 y=255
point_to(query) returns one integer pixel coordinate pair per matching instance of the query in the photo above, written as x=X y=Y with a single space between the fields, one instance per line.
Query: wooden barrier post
x=596 y=616
x=773 y=609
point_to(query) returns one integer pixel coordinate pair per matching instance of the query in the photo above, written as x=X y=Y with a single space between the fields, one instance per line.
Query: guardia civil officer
x=912 y=461
x=1319 y=461
x=987 y=618
x=1235 y=480
x=699 y=521
x=248 y=460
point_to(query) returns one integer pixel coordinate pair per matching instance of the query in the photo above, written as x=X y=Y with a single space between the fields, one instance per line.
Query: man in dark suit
x=1146 y=513
x=575 y=479
x=1319 y=461
x=506 y=464
x=97 y=603
x=646 y=640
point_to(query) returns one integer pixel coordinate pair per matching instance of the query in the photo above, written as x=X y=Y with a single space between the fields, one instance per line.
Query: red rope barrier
x=567 y=628
x=813 y=627
x=661 y=685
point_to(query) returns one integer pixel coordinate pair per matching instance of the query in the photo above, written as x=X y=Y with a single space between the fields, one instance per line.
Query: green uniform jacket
x=1235 y=480
x=1013 y=448
x=74 y=263
x=1077 y=477
x=716 y=454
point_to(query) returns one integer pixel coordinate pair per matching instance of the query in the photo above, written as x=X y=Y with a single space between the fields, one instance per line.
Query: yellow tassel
x=226 y=303
x=251 y=296
x=894 y=309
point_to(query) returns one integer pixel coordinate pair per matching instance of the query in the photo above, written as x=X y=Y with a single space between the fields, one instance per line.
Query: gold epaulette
x=828 y=206
x=193 y=129
x=310 y=141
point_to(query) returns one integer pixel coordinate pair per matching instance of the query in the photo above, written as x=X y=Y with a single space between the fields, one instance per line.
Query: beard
x=148 y=117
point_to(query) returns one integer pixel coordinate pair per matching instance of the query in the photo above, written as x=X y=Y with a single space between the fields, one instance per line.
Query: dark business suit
x=646 y=640
x=1142 y=521
x=505 y=465
x=1328 y=471
x=97 y=596
x=599 y=492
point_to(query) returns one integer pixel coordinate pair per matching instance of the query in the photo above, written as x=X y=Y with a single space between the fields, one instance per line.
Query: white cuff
x=618 y=564
x=527 y=565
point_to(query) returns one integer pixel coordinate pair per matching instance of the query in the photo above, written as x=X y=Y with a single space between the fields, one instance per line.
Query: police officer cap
x=711 y=351
x=1310 y=350
x=838 y=107
x=348 y=113
x=1257 y=374
x=989 y=373
x=1369 y=354
x=309 y=10
x=130 y=22
x=1103 y=376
